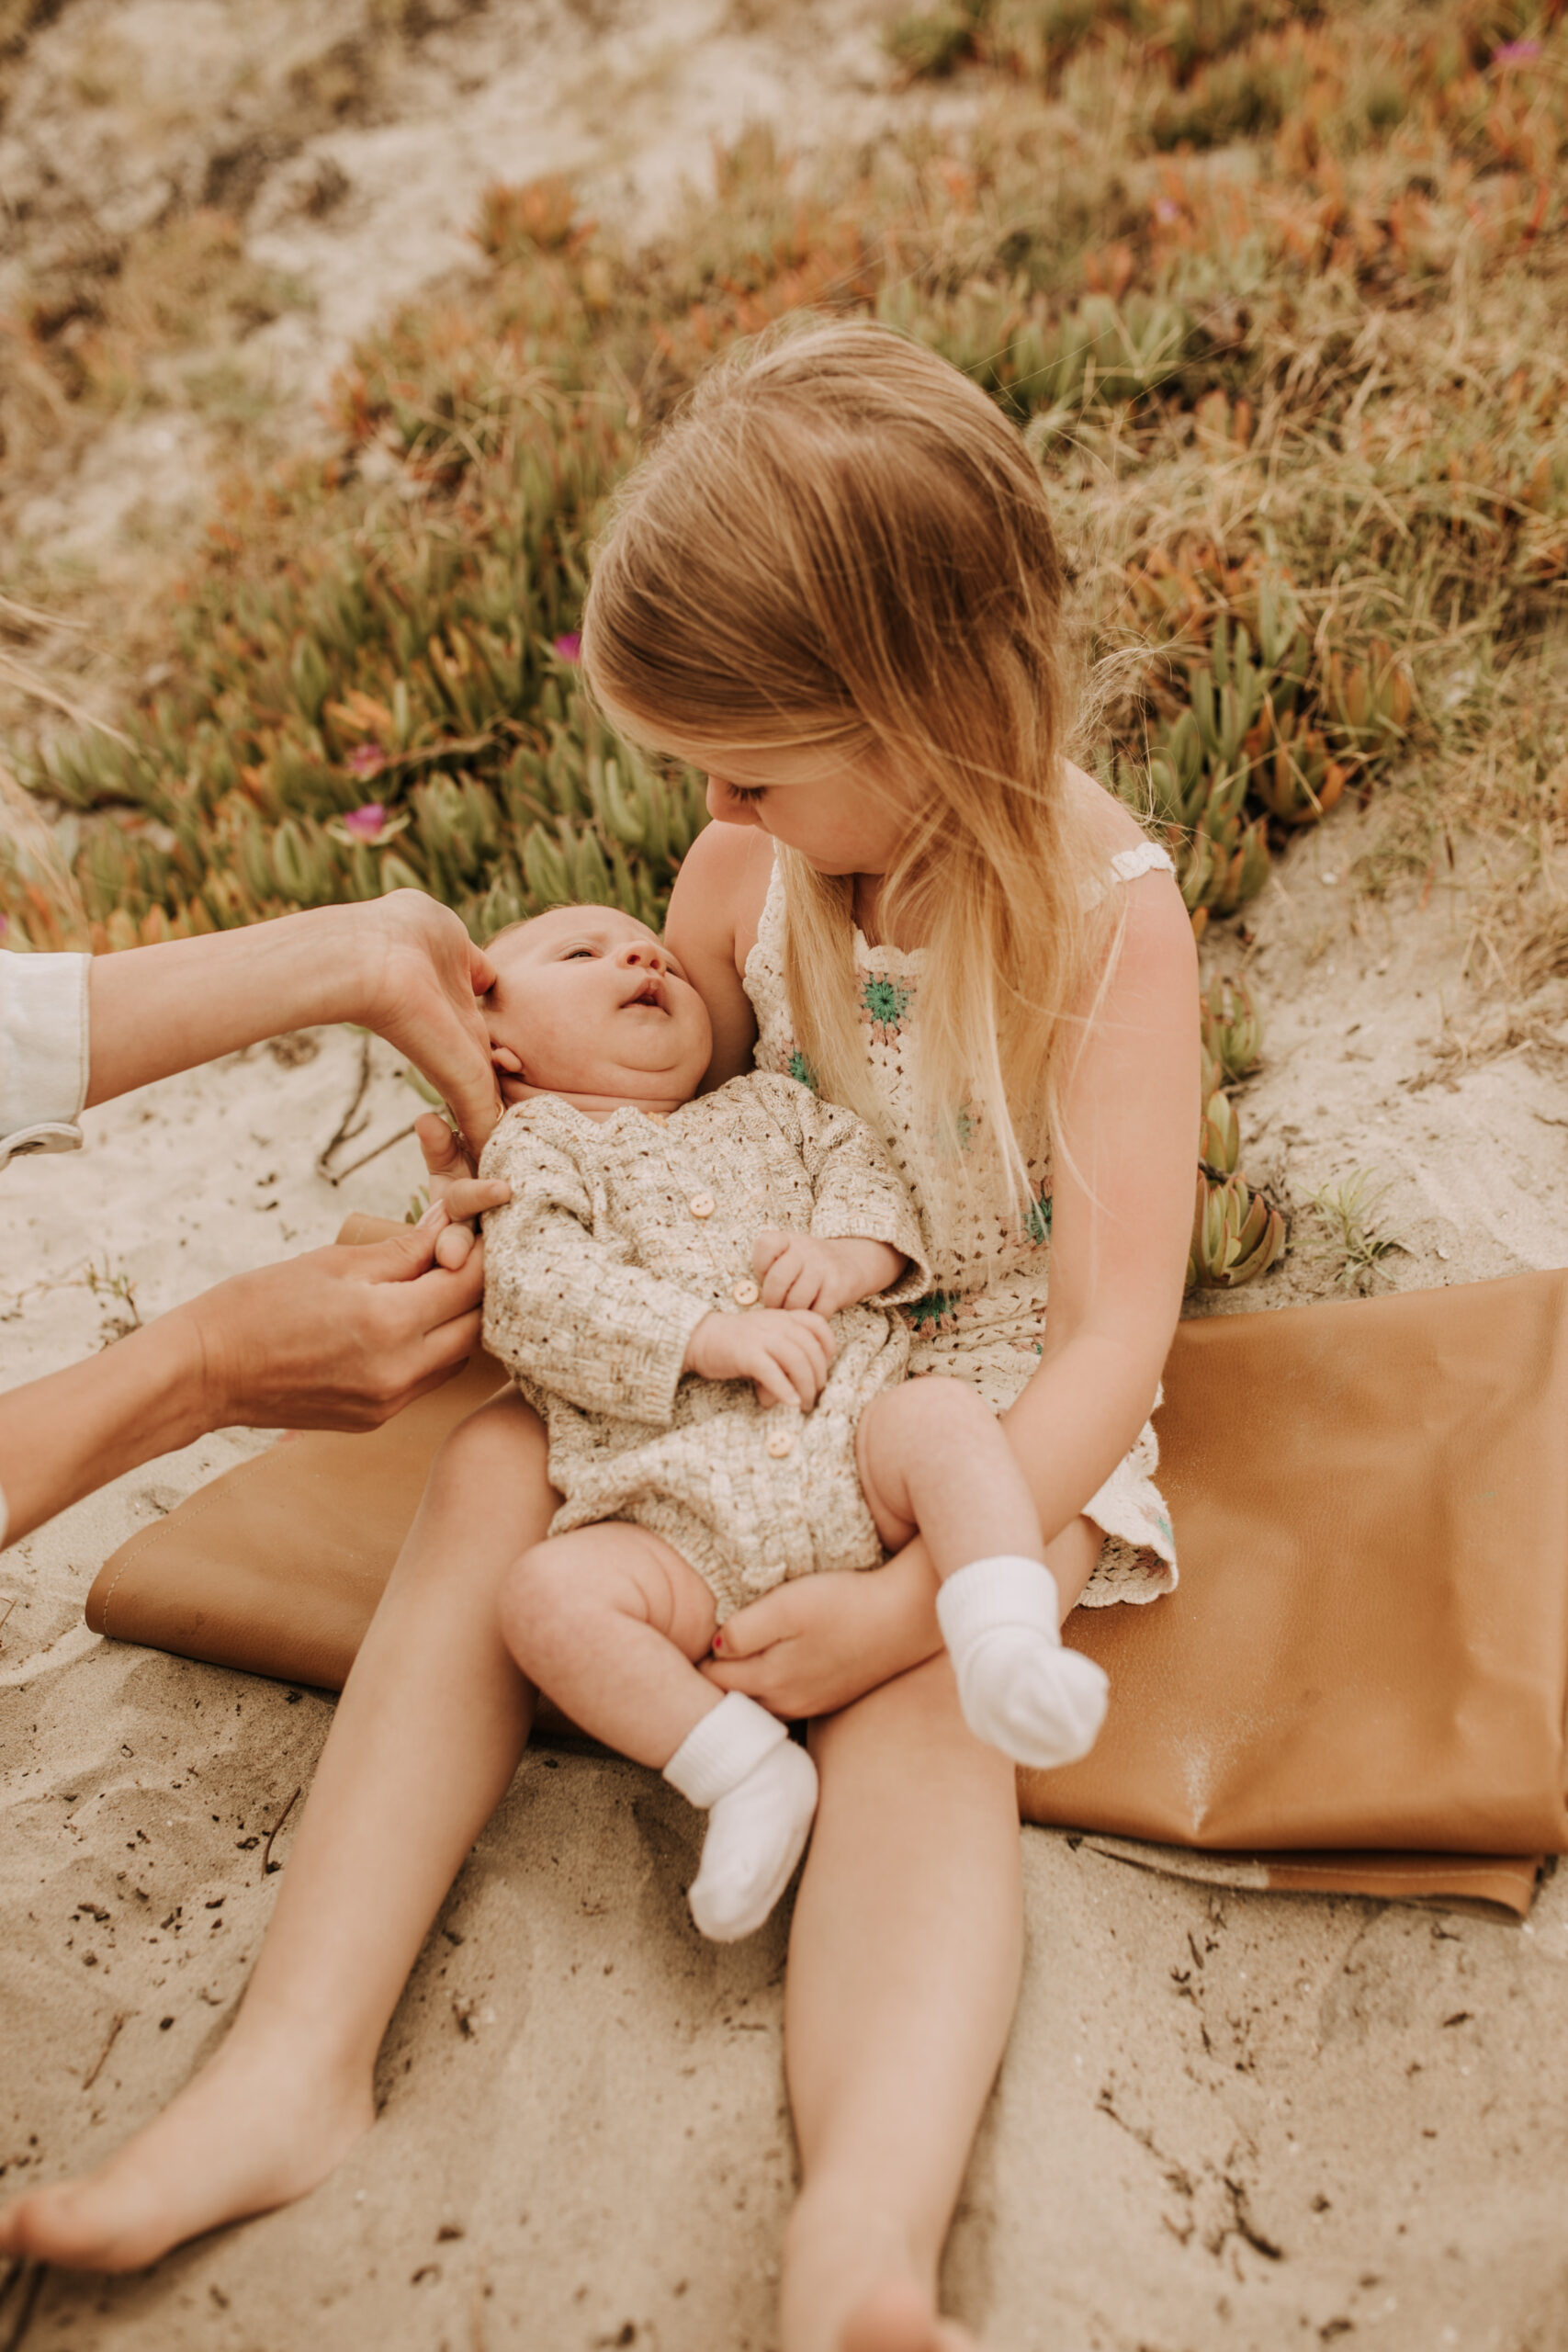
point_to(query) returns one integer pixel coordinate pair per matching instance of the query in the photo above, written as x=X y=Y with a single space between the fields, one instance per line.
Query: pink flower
x=366 y=823
x=1165 y=211
x=568 y=648
x=1516 y=53
x=366 y=759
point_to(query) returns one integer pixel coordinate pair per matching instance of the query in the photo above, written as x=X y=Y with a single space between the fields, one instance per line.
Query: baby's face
x=587 y=1002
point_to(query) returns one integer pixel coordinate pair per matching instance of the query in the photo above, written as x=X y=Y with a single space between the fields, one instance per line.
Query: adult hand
x=403 y=965
x=455 y=1188
x=338 y=1339
x=819 y=1643
x=785 y=1355
x=422 y=976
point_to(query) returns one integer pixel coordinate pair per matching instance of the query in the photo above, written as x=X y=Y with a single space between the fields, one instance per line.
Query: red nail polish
x=719 y=1641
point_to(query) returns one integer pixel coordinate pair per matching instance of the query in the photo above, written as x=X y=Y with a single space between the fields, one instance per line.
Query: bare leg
x=426 y=1736
x=904 y=1965
x=932 y=1455
x=611 y=1620
x=987 y=1507
x=907 y=1942
x=934 y=1459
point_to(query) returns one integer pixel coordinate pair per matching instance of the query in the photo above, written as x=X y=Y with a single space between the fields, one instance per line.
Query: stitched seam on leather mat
x=196 y=1505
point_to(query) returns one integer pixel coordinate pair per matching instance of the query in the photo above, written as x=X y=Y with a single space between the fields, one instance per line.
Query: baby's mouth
x=648 y=991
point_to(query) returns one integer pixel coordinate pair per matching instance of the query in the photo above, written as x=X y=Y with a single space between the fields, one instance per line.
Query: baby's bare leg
x=425 y=1739
x=611 y=1620
x=933 y=1459
x=932 y=1456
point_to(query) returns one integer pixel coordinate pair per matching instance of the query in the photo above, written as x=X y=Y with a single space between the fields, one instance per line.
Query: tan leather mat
x=1359 y=1685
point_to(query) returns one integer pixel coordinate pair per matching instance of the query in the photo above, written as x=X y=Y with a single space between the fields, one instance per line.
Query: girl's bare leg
x=904 y=1965
x=426 y=1737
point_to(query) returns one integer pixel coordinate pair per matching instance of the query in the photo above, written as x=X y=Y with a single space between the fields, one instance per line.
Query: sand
x=1225 y=2119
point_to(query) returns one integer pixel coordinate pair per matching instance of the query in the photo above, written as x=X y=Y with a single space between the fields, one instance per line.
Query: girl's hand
x=455 y=1188
x=798 y=1269
x=822 y=1642
x=785 y=1355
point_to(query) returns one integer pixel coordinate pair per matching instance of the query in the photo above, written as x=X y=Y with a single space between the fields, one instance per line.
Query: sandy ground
x=1225 y=2119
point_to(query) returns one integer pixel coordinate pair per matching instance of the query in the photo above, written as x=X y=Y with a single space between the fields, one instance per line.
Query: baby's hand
x=785 y=1355
x=796 y=1270
x=450 y=1172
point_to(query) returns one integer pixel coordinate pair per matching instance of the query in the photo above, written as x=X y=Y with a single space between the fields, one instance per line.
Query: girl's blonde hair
x=839 y=542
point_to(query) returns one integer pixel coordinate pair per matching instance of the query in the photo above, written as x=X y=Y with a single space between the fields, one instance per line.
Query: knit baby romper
x=621 y=1235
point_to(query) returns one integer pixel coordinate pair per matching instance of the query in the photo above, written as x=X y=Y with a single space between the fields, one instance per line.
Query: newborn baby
x=698 y=1293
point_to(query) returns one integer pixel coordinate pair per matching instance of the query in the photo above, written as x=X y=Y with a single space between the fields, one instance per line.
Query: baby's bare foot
x=898 y=2318
x=252 y=2131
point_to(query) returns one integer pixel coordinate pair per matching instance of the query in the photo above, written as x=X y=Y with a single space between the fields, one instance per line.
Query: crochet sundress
x=989 y=1333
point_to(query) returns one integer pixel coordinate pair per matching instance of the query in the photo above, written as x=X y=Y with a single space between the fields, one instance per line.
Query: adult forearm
x=62 y=1436
x=154 y=1010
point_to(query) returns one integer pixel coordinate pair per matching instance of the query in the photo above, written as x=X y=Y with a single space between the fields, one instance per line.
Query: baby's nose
x=643 y=954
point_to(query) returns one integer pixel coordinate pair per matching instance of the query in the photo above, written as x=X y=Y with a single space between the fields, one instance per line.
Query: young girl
x=836 y=586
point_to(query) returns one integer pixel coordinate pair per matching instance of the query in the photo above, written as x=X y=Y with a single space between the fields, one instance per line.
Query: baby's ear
x=505 y=1059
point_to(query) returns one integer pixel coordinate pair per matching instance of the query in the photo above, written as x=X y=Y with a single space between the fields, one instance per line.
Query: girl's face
x=842 y=816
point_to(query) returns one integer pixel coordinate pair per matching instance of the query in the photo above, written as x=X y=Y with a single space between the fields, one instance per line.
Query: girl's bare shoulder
x=715 y=910
x=719 y=894
x=1156 y=951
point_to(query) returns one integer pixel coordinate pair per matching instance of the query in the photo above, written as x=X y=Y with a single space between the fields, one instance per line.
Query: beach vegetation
x=1270 y=292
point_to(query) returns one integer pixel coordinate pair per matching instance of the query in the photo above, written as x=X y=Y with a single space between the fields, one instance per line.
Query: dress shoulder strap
x=1126 y=865
x=1147 y=858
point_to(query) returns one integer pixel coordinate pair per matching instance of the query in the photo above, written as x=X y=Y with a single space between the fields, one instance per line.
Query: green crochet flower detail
x=936 y=1312
x=800 y=1069
x=884 y=1003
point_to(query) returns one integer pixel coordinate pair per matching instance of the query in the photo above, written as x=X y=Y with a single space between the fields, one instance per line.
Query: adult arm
x=403 y=965
x=1122 y=1221
x=338 y=1339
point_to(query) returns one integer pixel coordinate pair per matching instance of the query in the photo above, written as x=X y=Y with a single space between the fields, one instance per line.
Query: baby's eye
x=746 y=791
x=573 y=953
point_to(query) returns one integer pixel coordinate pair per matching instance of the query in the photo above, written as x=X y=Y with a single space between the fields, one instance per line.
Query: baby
x=698 y=1293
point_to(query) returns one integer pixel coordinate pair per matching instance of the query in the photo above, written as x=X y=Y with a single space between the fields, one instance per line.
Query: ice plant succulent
x=370 y=825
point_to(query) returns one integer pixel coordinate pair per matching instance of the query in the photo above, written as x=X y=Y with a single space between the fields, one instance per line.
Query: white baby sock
x=759 y=1791
x=1018 y=1688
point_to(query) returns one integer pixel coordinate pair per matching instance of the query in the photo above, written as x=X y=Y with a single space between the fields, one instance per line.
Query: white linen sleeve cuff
x=43 y=1052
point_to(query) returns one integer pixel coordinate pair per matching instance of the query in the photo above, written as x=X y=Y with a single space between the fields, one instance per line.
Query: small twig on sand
x=385 y=1144
x=7 y=1602
x=88 y=2080
x=347 y=1129
x=268 y=1865
x=22 y=2319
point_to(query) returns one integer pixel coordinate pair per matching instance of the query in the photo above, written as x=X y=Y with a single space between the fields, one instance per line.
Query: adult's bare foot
x=252 y=2130
x=898 y=2318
